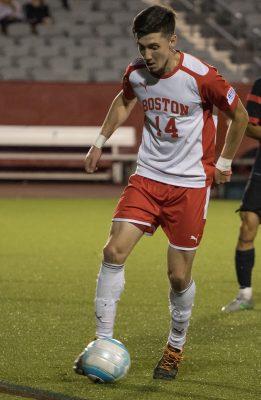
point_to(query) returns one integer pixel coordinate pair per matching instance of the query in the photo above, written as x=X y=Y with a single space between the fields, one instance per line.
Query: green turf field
x=50 y=252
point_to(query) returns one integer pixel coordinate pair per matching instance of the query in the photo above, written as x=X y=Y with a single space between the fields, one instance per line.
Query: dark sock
x=244 y=260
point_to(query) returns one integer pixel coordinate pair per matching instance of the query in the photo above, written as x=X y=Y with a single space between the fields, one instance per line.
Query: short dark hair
x=154 y=19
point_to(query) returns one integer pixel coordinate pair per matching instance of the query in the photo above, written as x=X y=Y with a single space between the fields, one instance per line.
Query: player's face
x=156 y=50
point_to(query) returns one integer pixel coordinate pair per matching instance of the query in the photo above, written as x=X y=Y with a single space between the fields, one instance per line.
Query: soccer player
x=175 y=169
x=250 y=211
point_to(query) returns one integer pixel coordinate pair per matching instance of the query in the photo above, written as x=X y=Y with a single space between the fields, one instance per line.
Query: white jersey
x=178 y=140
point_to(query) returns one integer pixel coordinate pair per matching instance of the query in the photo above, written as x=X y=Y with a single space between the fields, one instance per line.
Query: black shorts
x=252 y=198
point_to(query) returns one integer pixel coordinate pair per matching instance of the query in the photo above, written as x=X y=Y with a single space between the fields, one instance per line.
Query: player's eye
x=153 y=48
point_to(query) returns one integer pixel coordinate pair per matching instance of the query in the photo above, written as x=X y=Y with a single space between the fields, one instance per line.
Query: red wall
x=41 y=103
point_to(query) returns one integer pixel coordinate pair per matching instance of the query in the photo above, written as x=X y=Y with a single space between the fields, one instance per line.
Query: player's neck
x=172 y=62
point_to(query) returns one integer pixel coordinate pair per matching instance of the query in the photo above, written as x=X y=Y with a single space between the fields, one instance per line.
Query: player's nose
x=147 y=56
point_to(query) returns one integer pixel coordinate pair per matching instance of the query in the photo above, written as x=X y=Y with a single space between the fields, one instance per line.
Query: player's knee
x=248 y=230
x=246 y=234
x=250 y=219
x=248 y=227
x=113 y=254
x=178 y=281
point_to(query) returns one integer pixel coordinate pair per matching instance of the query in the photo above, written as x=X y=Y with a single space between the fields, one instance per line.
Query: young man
x=250 y=211
x=175 y=169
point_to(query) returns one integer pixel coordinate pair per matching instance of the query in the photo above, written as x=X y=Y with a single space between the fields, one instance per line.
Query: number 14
x=169 y=128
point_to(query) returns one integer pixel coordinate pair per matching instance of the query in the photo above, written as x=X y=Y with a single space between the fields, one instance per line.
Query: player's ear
x=173 y=41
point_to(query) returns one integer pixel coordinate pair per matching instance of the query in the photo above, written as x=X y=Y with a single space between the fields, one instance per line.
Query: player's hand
x=222 y=176
x=91 y=159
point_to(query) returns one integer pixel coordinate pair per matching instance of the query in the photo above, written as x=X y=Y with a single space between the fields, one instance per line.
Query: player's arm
x=234 y=136
x=118 y=113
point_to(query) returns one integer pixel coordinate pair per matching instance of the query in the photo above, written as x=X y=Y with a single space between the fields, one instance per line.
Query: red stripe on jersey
x=254 y=121
x=254 y=98
x=126 y=85
x=213 y=90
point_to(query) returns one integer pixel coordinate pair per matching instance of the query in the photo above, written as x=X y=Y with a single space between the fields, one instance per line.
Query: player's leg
x=244 y=261
x=245 y=251
x=250 y=213
x=183 y=223
x=182 y=293
x=181 y=297
x=110 y=284
x=133 y=216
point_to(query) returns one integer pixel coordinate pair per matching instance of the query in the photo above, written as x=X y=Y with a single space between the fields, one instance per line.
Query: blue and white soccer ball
x=105 y=360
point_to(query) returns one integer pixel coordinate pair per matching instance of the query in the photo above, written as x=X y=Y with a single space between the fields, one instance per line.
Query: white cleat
x=238 y=304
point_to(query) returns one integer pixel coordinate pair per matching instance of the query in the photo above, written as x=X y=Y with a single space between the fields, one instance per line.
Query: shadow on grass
x=220 y=328
x=163 y=388
x=233 y=350
x=235 y=389
x=32 y=393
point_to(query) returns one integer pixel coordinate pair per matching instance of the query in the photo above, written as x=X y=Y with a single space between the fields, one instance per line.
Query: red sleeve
x=216 y=90
x=126 y=85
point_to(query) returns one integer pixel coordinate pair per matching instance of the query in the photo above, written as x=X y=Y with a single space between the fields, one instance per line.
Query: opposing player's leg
x=181 y=297
x=244 y=262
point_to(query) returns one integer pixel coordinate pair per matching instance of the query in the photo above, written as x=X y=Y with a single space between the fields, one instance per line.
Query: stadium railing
x=58 y=153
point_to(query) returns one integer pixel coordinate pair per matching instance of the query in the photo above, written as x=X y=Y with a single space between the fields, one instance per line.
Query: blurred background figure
x=65 y=4
x=37 y=12
x=10 y=12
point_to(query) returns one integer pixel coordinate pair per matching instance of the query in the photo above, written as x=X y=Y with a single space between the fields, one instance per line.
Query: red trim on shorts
x=183 y=248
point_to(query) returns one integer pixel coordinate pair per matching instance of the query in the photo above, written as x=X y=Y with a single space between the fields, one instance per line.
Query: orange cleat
x=168 y=365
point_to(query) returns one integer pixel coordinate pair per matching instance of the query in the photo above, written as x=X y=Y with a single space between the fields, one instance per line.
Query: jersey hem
x=175 y=181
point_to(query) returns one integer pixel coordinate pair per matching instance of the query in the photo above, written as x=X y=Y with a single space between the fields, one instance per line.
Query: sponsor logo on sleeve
x=231 y=94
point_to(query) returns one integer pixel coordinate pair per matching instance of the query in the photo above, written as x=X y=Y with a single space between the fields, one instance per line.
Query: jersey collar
x=175 y=69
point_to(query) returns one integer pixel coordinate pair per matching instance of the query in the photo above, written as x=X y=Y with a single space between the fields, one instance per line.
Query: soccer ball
x=105 y=360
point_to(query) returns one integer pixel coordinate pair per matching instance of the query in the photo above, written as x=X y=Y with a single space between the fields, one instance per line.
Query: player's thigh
x=122 y=238
x=136 y=204
x=179 y=267
x=249 y=225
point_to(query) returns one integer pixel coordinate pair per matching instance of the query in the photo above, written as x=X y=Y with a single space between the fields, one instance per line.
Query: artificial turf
x=50 y=252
